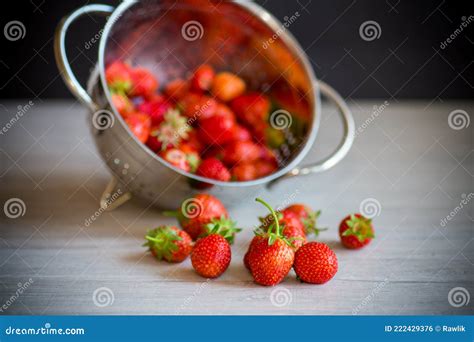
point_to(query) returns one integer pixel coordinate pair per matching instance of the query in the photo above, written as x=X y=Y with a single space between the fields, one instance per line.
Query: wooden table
x=407 y=158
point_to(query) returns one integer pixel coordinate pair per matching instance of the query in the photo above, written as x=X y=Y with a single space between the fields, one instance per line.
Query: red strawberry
x=227 y=86
x=214 y=169
x=251 y=108
x=196 y=212
x=356 y=231
x=119 y=77
x=152 y=142
x=291 y=226
x=144 y=83
x=202 y=78
x=211 y=256
x=194 y=141
x=264 y=168
x=244 y=172
x=307 y=216
x=169 y=243
x=271 y=256
x=223 y=110
x=122 y=104
x=140 y=125
x=241 y=151
x=217 y=130
x=176 y=158
x=156 y=108
x=197 y=107
x=246 y=256
x=192 y=156
x=315 y=263
x=241 y=133
x=176 y=89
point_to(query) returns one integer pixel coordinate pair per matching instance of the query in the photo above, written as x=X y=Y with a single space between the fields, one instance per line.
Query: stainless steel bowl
x=171 y=38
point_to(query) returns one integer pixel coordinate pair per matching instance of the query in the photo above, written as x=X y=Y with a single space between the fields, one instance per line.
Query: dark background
x=405 y=62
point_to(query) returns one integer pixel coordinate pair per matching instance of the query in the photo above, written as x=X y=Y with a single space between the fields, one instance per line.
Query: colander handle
x=60 y=51
x=344 y=145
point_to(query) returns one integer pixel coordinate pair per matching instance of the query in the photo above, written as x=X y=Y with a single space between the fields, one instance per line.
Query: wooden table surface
x=407 y=160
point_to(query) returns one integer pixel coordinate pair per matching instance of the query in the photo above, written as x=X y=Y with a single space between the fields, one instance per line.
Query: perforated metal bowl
x=171 y=38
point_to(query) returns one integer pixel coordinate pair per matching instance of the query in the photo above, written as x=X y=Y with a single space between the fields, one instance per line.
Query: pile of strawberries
x=210 y=124
x=280 y=242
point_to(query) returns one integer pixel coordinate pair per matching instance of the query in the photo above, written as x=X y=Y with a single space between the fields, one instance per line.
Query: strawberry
x=176 y=158
x=122 y=104
x=152 y=142
x=172 y=131
x=223 y=110
x=156 y=108
x=227 y=86
x=244 y=172
x=223 y=226
x=356 y=231
x=211 y=256
x=264 y=168
x=176 y=89
x=241 y=151
x=241 y=133
x=119 y=77
x=315 y=263
x=169 y=243
x=196 y=212
x=307 y=216
x=217 y=130
x=194 y=141
x=251 y=108
x=197 y=107
x=202 y=78
x=214 y=169
x=271 y=256
x=144 y=82
x=140 y=125
x=291 y=226
x=192 y=156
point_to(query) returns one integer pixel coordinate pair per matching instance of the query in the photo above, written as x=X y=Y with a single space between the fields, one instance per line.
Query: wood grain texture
x=407 y=158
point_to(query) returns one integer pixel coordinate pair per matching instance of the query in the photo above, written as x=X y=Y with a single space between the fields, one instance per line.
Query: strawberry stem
x=275 y=217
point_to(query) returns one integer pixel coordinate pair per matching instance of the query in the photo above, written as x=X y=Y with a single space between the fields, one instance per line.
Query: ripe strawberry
x=211 y=256
x=157 y=107
x=140 y=125
x=227 y=86
x=217 y=130
x=214 y=169
x=197 y=107
x=169 y=243
x=307 y=216
x=244 y=172
x=202 y=78
x=192 y=156
x=176 y=158
x=194 y=141
x=356 y=231
x=251 y=108
x=315 y=263
x=176 y=89
x=144 y=83
x=291 y=226
x=271 y=256
x=122 y=104
x=247 y=254
x=196 y=212
x=241 y=151
x=119 y=77
x=241 y=133
x=264 y=168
